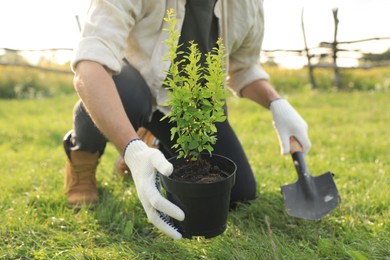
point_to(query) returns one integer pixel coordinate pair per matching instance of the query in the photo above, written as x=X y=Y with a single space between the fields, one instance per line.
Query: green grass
x=28 y=83
x=350 y=136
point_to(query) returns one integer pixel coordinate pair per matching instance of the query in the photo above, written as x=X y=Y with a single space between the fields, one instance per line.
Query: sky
x=40 y=24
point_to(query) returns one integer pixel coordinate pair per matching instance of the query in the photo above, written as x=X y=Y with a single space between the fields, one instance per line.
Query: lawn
x=350 y=137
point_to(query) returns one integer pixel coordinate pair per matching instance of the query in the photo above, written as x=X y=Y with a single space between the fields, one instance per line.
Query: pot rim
x=228 y=176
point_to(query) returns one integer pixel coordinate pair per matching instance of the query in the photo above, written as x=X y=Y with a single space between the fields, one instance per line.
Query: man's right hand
x=144 y=162
x=288 y=123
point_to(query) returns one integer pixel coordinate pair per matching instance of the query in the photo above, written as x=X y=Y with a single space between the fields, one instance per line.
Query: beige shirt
x=133 y=29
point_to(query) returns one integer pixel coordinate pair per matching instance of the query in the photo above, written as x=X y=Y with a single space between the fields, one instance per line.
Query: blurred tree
x=369 y=58
x=271 y=62
x=12 y=57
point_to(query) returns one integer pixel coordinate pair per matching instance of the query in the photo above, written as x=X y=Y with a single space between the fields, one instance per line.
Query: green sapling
x=196 y=94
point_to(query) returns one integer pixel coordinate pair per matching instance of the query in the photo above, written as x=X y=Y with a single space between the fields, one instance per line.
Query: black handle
x=305 y=180
x=300 y=164
x=298 y=157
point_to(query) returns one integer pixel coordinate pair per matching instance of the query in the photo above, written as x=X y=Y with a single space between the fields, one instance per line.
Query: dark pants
x=137 y=102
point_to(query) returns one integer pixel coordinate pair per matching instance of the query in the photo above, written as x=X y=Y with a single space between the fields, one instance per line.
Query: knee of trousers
x=86 y=136
x=244 y=191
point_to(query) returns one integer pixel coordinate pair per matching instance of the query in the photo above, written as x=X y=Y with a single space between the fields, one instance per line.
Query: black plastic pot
x=206 y=205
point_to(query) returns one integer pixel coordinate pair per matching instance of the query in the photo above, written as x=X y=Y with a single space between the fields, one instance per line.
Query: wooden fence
x=24 y=63
x=331 y=49
x=327 y=49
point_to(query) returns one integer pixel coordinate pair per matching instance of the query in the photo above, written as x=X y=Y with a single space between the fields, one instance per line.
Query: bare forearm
x=100 y=97
x=261 y=92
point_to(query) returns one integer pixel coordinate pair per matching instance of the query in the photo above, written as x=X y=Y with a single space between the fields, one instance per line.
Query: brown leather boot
x=121 y=169
x=80 y=178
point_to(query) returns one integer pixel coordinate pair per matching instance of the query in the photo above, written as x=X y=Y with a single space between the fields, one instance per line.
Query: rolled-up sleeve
x=104 y=35
x=244 y=63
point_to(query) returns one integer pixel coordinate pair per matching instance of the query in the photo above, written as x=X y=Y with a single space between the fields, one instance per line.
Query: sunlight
x=44 y=24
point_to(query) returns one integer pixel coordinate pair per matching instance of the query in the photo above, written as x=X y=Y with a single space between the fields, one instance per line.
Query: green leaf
x=193 y=145
x=213 y=128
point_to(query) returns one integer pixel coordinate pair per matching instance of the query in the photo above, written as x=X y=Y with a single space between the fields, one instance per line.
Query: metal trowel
x=310 y=197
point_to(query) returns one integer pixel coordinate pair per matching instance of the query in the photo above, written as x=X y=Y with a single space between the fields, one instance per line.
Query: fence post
x=309 y=65
x=337 y=76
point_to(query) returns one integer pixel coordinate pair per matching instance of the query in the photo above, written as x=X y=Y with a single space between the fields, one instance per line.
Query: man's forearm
x=98 y=92
x=261 y=92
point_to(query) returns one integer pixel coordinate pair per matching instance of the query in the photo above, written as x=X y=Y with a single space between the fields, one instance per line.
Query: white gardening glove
x=144 y=162
x=288 y=123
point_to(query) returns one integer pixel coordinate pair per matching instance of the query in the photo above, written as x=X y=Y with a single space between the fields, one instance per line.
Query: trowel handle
x=295 y=146
x=298 y=157
x=304 y=177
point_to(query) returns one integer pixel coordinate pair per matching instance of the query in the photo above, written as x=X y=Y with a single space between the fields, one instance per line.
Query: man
x=119 y=73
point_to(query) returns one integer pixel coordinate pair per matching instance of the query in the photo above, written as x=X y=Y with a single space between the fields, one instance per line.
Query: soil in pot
x=200 y=171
